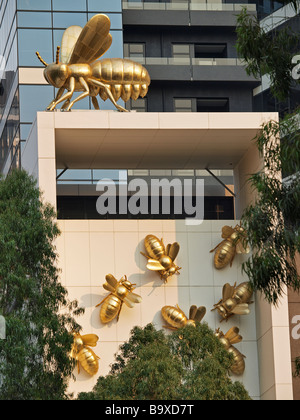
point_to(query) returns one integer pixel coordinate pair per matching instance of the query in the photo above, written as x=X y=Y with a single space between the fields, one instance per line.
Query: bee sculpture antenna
x=41 y=60
x=57 y=54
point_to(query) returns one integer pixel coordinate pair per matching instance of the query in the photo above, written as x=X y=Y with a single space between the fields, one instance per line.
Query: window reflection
x=64 y=20
x=32 y=40
x=34 y=4
x=10 y=135
x=8 y=76
x=116 y=49
x=57 y=37
x=69 y=5
x=34 y=99
x=34 y=20
x=115 y=19
x=104 y=5
x=41 y=24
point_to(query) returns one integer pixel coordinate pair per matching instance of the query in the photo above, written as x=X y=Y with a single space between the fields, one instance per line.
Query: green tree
x=268 y=52
x=34 y=361
x=273 y=220
x=189 y=363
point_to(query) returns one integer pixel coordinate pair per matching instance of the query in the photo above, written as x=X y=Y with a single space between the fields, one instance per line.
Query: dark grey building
x=189 y=50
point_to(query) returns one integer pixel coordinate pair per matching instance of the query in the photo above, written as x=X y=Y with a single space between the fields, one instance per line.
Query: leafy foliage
x=273 y=221
x=34 y=361
x=190 y=363
x=267 y=52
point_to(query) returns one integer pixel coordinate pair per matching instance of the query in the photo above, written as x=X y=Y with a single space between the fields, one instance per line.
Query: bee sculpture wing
x=131 y=299
x=172 y=250
x=227 y=231
x=93 y=41
x=111 y=283
x=90 y=340
x=242 y=247
x=241 y=309
x=197 y=314
x=154 y=265
x=68 y=42
x=233 y=335
x=227 y=291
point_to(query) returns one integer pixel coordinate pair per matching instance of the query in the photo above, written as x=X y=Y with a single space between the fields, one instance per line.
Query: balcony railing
x=187 y=61
x=194 y=5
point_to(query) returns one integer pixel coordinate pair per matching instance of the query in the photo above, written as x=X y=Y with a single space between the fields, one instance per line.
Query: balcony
x=180 y=13
x=196 y=69
x=193 y=5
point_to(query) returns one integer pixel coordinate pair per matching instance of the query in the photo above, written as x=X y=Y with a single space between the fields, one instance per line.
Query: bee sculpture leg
x=119 y=311
x=67 y=96
x=58 y=96
x=83 y=95
x=109 y=94
x=95 y=102
x=146 y=256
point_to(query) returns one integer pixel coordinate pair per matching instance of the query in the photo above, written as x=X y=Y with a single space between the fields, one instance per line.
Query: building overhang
x=108 y=139
x=114 y=140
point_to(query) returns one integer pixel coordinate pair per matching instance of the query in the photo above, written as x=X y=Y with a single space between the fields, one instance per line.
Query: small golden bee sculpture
x=82 y=353
x=161 y=259
x=174 y=316
x=76 y=68
x=234 y=242
x=235 y=300
x=232 y=337
x=121 y=291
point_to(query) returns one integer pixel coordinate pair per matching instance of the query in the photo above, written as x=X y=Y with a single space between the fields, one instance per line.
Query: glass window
x=212 y=105
x=24 y=131
x=34 y=20
x=181 y=50
x=115 y=19
x=32 y=40
x=64 y=20
x=116 y=48
x=104 y=6
x=69 y=5
x=57 y=37
x=140 y=105
x=210 y=50
x=6 y=24
x=82 y=104
x=134 y=50
x=75 y=175
x=183 y=105
x=113 y=174
x=34 y=4
x=33 y=99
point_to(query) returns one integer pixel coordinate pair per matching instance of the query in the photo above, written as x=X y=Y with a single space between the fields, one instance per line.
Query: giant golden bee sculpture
x=232 y=337
x=82 y=353
x=233 y=243
x=235 y=300
x=78 y=70
x=121 y=292
x=161 y=259
x=174 y=316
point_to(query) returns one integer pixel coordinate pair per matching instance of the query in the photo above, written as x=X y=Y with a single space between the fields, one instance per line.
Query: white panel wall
x=91 y=249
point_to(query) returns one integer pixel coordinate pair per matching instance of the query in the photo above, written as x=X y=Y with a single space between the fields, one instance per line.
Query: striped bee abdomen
x=110 y=308
x=88 y=360
x=125 y=78
x=154 y=247
x=174 y=316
